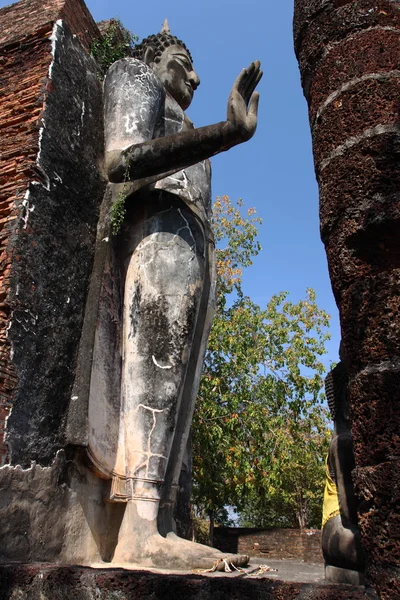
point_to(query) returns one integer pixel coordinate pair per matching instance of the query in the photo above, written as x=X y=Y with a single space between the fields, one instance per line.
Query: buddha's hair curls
x=159 y=43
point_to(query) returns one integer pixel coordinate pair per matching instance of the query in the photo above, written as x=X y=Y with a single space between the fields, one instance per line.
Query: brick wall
x=28 y=18
x=292 y=544
x=25 y=57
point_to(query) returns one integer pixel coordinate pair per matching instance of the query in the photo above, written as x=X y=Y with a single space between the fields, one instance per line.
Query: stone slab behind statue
x=51 y=188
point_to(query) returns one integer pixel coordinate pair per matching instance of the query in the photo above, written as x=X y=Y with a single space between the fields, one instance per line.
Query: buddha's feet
x=140 y=545
x=208 y=553
x=172 y=553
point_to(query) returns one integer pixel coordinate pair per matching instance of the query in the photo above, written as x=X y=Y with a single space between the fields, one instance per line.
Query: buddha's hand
x=243 y=103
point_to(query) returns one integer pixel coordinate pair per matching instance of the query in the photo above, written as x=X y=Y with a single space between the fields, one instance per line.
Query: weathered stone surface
x=22 y=71
x=372 y=336
x=50 y=242
x=330 y=23
x=376 y=413
x=365 y=105
x=349 y=59
x=380 y=524
x=361 y=185
x=42 y=582
x=51 y=189
x=304 y=13
x=26 y=56
x=371 y=483
x=371 y=57
x=54 y=513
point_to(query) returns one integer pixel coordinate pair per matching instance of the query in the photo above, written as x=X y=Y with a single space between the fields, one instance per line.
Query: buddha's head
x=171 y=61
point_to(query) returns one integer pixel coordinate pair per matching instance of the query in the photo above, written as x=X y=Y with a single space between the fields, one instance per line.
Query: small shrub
x=118 y=211
x=118 y=42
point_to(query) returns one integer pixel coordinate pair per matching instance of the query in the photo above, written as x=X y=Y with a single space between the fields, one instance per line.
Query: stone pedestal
x=349 y=56
x=43 y=582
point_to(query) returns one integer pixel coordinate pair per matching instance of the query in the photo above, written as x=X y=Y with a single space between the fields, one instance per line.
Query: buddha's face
x=176 y=72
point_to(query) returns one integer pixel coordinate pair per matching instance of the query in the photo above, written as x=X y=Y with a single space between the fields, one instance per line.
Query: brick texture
x=29 y=18
x=25 y=57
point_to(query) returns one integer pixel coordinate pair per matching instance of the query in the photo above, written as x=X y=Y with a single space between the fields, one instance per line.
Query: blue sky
x=274 y=171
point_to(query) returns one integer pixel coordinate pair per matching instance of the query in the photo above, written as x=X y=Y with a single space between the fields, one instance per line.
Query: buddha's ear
x=149 y=56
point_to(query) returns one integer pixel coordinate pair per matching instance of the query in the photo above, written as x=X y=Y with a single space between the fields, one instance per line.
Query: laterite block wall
x=349 y=58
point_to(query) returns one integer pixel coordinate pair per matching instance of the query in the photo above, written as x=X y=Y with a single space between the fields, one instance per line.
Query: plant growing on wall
x=117 y=42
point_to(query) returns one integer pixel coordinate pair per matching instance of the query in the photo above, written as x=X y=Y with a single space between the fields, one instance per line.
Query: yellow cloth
x=331 y=498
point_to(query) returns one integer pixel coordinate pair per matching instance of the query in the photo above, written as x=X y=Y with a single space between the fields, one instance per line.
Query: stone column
x=349 y=57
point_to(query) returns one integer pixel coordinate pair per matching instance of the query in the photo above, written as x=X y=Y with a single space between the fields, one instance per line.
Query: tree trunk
x=211 y=530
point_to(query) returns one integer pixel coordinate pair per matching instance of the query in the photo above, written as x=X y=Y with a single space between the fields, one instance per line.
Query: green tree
x=259 y=432
x=288 y=492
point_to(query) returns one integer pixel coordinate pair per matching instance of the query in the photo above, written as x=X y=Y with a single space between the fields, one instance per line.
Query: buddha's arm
x=170 y=153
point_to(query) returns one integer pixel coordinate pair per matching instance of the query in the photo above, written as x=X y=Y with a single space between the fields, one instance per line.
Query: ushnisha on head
x=172 y=62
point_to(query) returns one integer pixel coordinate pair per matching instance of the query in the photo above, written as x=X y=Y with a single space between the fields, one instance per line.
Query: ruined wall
x=50 y=192
x=349 y=57
x=51 y=185
x=23 y=69
x=274 y=543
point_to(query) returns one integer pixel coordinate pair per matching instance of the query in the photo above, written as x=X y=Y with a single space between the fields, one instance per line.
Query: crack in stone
x=187 y=226
x=149 y=453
